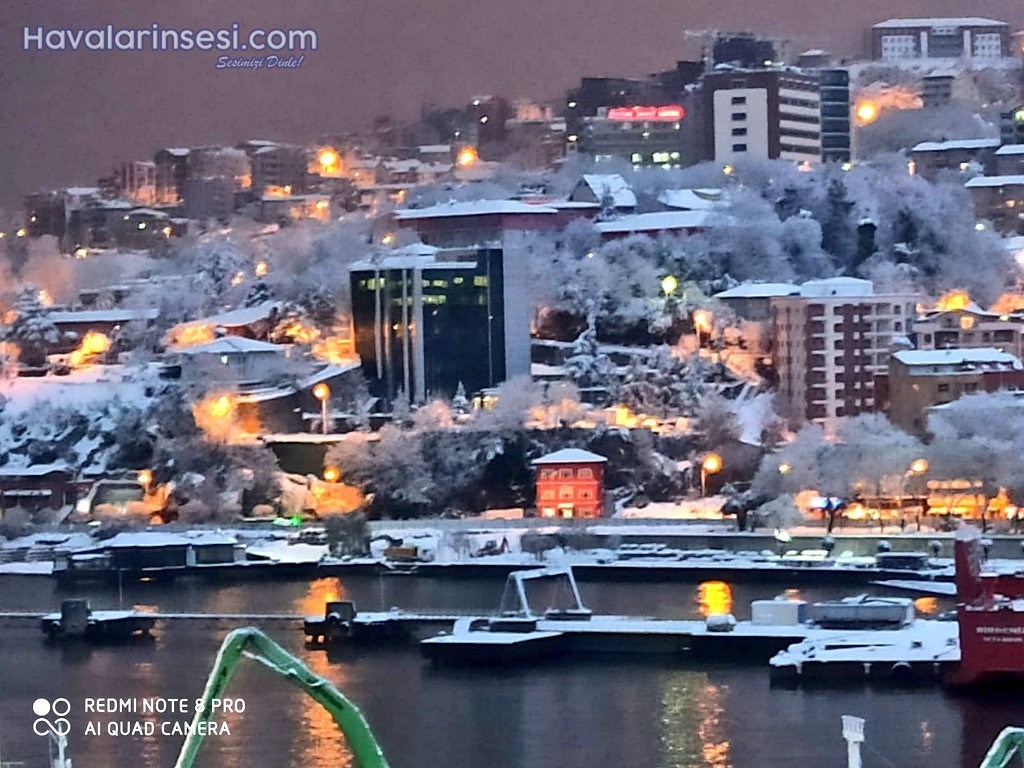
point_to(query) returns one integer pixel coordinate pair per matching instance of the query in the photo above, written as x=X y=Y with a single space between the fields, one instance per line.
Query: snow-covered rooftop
x=995 y=181
x=759 y=291
x=177 y=151
x=236 y=318
x=434 y=149
x=233 y=345
x=690 y=199
x=974 y=356
x=837 y=286
x=962 y=21
x=32 y=470
x=569 y=456
x=412 y=256
x=79 y=390
x=1010 y=149
x=658 y=221
x=473 y=208
x=942 y=146
x=104 y=315
x=613 y=184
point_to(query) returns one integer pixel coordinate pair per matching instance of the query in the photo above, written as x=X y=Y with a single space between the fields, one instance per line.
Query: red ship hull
x=990 y=613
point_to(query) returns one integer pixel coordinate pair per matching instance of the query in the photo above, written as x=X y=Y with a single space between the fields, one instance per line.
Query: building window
x=585 y=494
x=942 y=388
x=966 y=322
x=565 y=474
x=548 y=495
x=739 y=115
x=738 y=100
x=565 y=492
x=548 y=474
x=739 y=147
x=585 y=474
x=739 y=131
x=480 y=281
x=458 y=280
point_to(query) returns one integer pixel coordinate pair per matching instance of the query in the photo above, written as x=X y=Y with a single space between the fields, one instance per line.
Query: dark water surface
x=612 y=713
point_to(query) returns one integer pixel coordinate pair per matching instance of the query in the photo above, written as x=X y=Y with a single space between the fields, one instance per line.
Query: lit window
x=586 y=474
x=458 y=280
x=480 y=281
x=565 y=474
x=565 y=492
x=966 y=322
x=548 y=495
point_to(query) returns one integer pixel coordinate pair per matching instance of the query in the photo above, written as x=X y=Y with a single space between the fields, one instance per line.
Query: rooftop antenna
x=853 y=732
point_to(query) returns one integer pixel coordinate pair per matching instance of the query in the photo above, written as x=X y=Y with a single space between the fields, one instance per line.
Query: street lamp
x=669 y=284
x=785 y=468
x=145 y=478
x=917 y=468
x=711 y=465
x=332 y=474
x=322 y=392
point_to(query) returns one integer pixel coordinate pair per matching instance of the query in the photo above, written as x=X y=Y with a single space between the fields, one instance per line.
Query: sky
x=68 y=117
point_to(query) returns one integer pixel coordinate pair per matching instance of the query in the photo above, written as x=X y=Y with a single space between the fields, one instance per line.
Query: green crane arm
x=252 y=643
x=1008 y=743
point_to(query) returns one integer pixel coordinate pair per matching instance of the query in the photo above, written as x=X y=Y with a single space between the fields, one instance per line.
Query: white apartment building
x=831 y=340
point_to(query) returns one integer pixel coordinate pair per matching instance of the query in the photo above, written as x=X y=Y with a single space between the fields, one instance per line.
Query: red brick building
x=570 y=483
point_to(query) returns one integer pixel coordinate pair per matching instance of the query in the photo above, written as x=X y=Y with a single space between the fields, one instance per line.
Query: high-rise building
x=832 y=340
x=427 y=320
x=835 y=115
x=763 y=114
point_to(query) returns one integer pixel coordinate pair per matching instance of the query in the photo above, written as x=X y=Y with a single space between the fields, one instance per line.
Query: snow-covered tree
x=32 y=329
x=587 y=367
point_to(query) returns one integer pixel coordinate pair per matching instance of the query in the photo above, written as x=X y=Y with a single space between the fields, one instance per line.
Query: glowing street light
x=329 y=160
x=919 y=466
x=711 y=465
x=867 y=112
x=332 y=474
x=322 y=392
x=785 y=468
x=261 y=268
x=145 y=478
x=467 y=157
x=668 y=283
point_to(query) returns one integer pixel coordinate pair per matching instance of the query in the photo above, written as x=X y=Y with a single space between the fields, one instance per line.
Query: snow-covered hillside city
x=758 y=313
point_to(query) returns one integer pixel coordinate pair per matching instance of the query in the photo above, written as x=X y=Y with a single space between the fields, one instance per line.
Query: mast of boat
x=853 y=732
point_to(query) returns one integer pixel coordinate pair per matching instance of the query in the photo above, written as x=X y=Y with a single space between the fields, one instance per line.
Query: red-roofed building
x=570 y=483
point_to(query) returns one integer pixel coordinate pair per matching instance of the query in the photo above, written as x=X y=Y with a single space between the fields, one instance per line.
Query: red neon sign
x=668 y=112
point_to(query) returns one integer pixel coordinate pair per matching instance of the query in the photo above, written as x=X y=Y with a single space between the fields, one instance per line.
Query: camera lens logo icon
x=59 y=725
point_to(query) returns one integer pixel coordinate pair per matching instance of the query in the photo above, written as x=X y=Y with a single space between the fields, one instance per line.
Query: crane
x=1008 y=743
x=250 y=642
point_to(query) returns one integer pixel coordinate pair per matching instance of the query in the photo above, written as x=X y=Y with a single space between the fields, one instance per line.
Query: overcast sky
x=66 y=118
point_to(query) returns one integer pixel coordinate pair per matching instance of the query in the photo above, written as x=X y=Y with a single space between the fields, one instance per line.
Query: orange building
x=570 y=483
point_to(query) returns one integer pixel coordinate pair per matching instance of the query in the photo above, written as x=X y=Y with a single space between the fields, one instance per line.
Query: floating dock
x=923 y=653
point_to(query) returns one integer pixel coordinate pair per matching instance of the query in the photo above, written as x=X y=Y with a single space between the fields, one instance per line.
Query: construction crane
x=1009 y=743
x=249 y=642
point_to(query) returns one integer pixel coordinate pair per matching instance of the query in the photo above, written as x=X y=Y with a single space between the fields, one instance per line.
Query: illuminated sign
x=669 y=112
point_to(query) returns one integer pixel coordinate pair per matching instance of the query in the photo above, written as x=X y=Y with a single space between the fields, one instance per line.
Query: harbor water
x=606 y=712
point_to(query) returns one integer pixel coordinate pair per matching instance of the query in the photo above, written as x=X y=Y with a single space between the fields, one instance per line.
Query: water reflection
x=714 y=597
x=692 y=709
x=321 y=742
x=320 y=592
